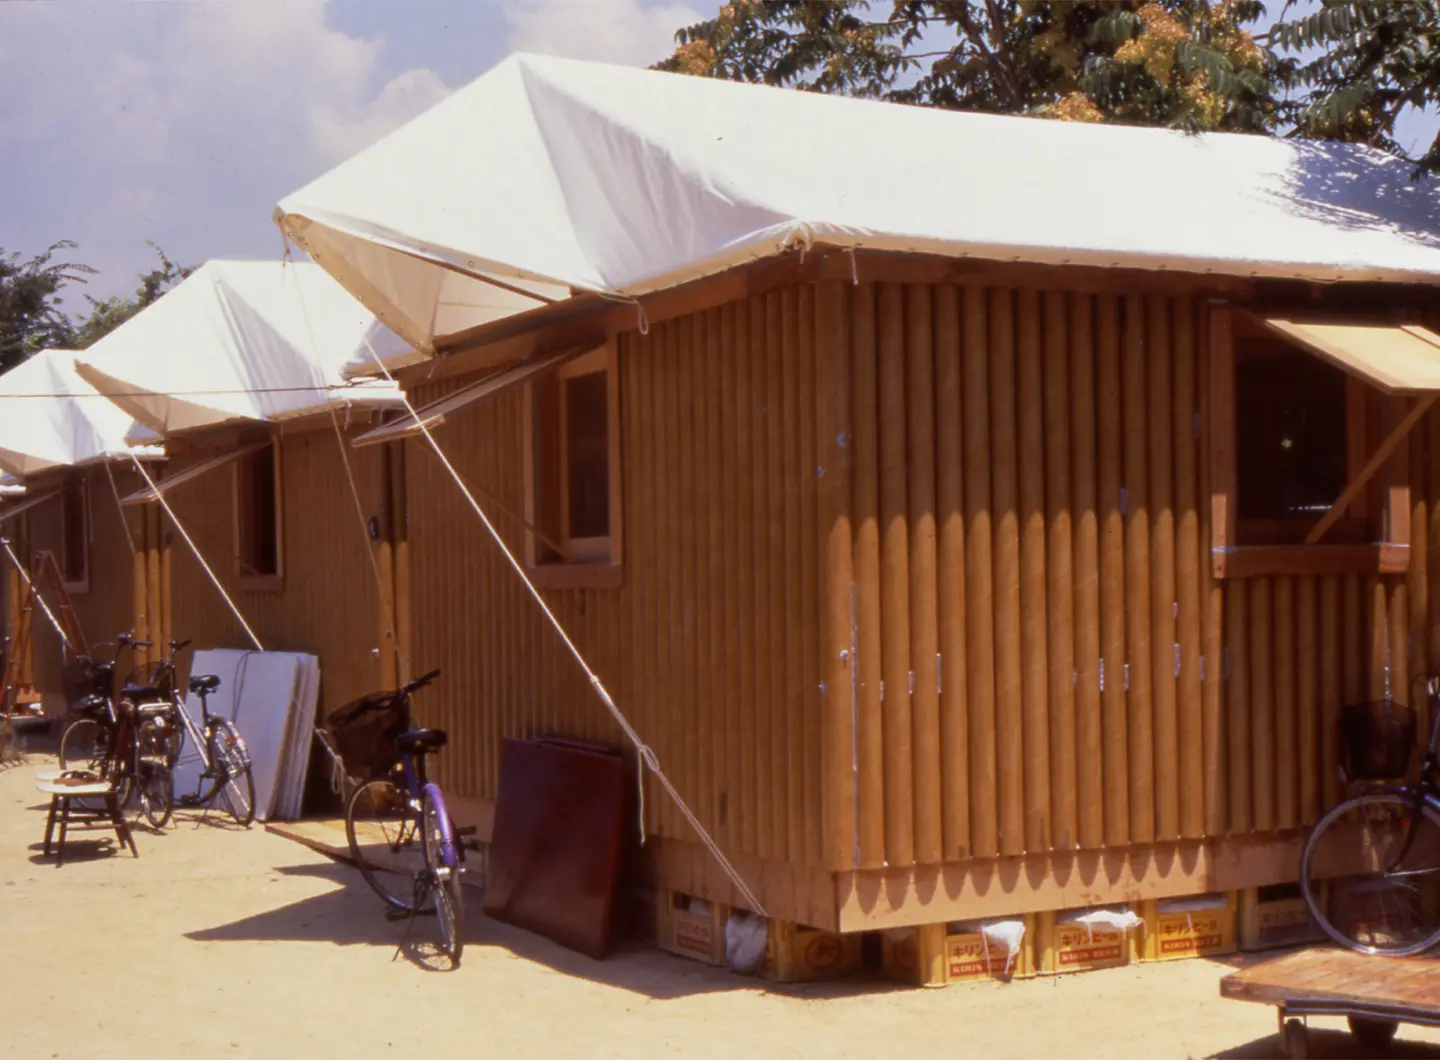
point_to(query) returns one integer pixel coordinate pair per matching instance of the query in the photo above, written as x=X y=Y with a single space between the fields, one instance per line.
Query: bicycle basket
x=151 y=681
x=364 y=733
x=1376 y=739
x=83 y=677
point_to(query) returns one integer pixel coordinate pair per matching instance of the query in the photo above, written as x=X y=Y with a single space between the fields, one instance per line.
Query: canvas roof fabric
x=625 y=181
x=238 y=341
x=50 y=417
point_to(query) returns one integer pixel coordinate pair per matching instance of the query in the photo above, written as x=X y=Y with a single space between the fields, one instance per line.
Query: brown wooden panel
x=1060 y=571
x=1139 y=701
x=1190 y=735
x=979 y=580
x=1331 y=691
x=895 y=581
x=1308 y=753
x=1035 y=677
x=870 y=751
x=1262 y=701
x=924 y=614
x=1089 y=727
x=1237 y=709
x=1009 y=699
x=1287 y=809
x=1109 y=436
x=1164 y=641
x=950 y=513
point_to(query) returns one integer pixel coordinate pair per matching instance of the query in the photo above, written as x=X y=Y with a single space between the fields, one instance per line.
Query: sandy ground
x=219 y=942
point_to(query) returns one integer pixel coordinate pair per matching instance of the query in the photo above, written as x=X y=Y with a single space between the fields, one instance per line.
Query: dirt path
x=224 y=943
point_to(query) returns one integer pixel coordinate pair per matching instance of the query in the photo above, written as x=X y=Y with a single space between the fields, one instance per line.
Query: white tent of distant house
x=625 y=181
x=51 y=418
x=237 y=342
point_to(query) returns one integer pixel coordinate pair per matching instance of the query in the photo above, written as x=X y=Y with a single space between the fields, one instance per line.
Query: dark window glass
x=1290 y=426
x=73 y=533
x=587 y=454
x=259 y=527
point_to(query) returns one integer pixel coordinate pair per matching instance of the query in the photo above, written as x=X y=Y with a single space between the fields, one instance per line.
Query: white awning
x=9 y=511
x=1396 y=358
x=50 y=417
x=626 y=181
x=238 y=341
x=170 y=483
x=435 y=413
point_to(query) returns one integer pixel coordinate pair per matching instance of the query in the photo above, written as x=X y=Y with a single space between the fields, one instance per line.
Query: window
x=573 y=475
x=257 y=516
x=1292 y=435
x=75 y=536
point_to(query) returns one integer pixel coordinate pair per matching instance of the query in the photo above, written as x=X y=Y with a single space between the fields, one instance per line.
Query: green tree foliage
x=31 y=317
x=1365 y=64
x=107 y=315
x=1185 y=63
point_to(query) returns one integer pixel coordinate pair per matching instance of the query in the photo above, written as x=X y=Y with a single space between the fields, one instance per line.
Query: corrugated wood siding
x=1096 y=686
x=329 y=605
x=105 y=609
x=711 y=646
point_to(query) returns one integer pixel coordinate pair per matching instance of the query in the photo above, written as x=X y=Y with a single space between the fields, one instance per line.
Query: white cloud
x=182 y=123
x=616 y=31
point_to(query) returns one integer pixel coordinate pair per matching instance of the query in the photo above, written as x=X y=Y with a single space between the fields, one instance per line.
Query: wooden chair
x=65 y=787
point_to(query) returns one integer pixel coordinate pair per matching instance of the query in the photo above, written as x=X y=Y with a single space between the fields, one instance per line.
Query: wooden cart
x=1375 y=994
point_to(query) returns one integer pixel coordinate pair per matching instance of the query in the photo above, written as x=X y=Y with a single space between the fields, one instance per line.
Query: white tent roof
x=627 y=181
x=237 y=341
x=50 y=417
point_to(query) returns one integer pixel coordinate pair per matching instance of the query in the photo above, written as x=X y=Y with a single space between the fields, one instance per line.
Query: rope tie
x=159 y=496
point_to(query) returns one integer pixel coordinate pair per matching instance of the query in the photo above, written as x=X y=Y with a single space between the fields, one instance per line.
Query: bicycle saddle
x=203 y=684
x=91 y=704
x=421 y=740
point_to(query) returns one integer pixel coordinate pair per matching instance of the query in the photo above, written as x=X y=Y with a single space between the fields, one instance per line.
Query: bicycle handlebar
x=178 y=645
x=419 y=682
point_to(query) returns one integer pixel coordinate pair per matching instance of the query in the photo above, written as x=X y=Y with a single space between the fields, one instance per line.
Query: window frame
x=81 y=584
x=597 y=563
x=248 y=581
x=1370 y=414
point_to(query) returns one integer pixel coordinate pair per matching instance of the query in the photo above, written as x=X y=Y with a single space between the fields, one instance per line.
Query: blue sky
x=184 y=121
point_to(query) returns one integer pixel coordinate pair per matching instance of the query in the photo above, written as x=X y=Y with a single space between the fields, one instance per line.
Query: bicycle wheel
x=1382 y=864
x=383 y=829
x=154 y=782
x=85 y=745
x=445 y=867
x=230 y=760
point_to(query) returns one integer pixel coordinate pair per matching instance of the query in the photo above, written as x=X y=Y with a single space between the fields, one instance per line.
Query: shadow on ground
x=1328 y=1043
x=352 y=915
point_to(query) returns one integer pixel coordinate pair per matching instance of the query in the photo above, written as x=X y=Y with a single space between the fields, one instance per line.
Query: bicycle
x=223 y=753
x=401 y=836
x=120 y=741
x=1379 y=851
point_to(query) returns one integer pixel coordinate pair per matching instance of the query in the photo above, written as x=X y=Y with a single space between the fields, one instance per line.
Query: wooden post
x=1307 y=701
x=1331 y=691
x=138 y=528
x=1353 y=641
x=1398 y=658
x=1035 y=675
x=924 y=614
x=1112 y=573
x=950 y=509
x=1191 y=729
x=1237 y=650
x=1164 y=642
x=152 y=584
x=895 y=582
x=832 y=382
x=1377 y=626
x=1212 y=621
x=870 y=747
x=167 y=574
x=1417 y=582
x=1431 y=544
x=764 y=349
x=384 y=551
x=1221 y=395
x=1060 y=568
x=1137 y=579
x=1287 y=809
x=1008 y=660
x=1262 y=702
x=1089 y=733
x=979 y=579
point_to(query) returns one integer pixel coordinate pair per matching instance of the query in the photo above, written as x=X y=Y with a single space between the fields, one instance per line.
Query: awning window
x=169 y=483
x=1395 y=358
x=435 y=413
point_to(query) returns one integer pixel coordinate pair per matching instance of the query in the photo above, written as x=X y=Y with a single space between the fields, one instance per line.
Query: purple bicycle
x=400 y=834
